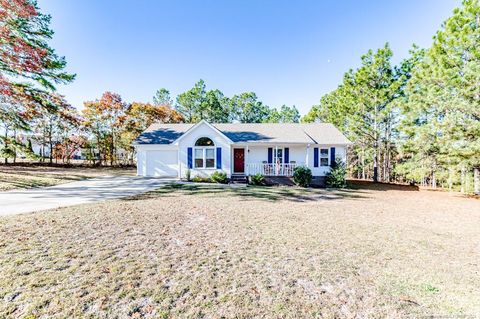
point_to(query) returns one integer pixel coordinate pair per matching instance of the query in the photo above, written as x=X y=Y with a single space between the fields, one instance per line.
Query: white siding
x=141 y=163
x=323 y=170
x=203 y=130
x=256 y=154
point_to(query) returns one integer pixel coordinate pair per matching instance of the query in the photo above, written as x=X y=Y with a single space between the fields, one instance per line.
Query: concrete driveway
x=87 y=191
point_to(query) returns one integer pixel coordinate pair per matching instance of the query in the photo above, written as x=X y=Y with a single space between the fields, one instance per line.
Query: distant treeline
x=418 y=120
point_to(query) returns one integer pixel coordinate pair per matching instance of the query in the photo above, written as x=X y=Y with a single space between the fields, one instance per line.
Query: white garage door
x=162 y=163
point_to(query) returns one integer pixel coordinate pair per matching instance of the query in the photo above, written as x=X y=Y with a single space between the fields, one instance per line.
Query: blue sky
x=288 y=52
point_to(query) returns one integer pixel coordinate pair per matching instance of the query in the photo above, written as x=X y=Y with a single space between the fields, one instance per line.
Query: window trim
x=322 y=156
x=204 y=157
x=204 y=154
x=204 y=137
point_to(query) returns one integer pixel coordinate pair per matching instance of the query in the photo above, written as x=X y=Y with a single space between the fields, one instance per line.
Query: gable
x=202 y=129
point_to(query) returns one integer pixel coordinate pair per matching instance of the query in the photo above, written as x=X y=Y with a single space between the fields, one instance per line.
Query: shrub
x=219 y=177
x=201 y=179
x=336 y=176
x=7 y=152
x=302 y=176
x=257 y=179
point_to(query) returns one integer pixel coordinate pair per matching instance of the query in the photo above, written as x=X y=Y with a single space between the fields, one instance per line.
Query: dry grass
x=29 y=176
x=209 y=252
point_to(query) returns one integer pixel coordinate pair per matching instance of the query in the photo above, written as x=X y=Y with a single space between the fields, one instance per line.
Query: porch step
x=238 y=179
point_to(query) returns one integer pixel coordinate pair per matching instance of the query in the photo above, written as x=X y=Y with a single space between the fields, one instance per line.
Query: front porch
x=270 y=169
x=269 y=160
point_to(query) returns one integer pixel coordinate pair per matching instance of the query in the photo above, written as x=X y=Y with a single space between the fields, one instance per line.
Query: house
x=238 y=149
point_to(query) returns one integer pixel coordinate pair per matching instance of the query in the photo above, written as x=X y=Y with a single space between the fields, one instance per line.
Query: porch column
x=247 y=173
x=275 y=160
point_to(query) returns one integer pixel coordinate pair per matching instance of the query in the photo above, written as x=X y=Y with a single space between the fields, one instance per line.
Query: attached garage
x=162 y=163
x=158 y=163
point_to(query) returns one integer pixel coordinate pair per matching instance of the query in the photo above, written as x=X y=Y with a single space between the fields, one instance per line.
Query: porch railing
x=271 y=169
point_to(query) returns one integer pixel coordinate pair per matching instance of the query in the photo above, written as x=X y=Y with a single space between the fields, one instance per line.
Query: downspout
x=306 y=155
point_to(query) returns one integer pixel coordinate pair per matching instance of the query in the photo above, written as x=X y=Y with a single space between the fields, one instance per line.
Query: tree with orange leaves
x=29 y=67
x=52 y=129
x=24 y=51
x=104 y=118
x=139 y=116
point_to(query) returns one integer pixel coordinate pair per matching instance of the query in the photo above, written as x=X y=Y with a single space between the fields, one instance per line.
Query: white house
x=170 y=150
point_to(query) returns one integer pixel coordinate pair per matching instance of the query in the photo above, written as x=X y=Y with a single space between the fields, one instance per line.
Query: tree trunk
x=15 y=150
x=375 y=147
x=467 y=182
x=44 y=141
x=66 y=156
x=476 y=180
x=51 y=150
x=6 y=143
x=375 y=163
x=450 y=179
x=388 y=147
x=462 y=182
x=363 y=162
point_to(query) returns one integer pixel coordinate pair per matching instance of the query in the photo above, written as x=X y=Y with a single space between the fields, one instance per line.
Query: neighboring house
x=238 y=149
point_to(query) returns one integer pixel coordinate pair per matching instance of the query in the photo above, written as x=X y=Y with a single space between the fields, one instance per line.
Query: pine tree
x=442 y=109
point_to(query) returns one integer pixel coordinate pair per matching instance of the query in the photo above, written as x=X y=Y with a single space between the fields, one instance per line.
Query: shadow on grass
x=369 y=185
x=270 y=193
x=32 y=174
x=24 y=180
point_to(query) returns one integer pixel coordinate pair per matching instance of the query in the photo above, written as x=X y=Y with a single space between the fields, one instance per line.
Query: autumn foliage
x=29 y=70
x=114 y=124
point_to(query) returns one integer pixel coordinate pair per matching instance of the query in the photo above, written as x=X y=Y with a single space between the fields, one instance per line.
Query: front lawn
x=30 y=176
x=213 y=251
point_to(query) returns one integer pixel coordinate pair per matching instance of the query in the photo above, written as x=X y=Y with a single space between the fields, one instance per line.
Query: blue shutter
x=219 y=158
x=287 y=155
x=315 y=157
x=332 y=156
x=270 y=155
x=190 y=157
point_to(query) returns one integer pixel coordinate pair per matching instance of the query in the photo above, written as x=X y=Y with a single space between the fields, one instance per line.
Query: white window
x=204 y=153
x=324 y=157
x=198 y=158
x=209 y=157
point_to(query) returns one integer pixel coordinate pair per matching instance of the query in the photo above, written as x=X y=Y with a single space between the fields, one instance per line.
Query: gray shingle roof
x=159 y=133
x=312 y=133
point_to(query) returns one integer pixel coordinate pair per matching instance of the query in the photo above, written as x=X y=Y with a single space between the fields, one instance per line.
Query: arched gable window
x=204 y=141
x=204 y=153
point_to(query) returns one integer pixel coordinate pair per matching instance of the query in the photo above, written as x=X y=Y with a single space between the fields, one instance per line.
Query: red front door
x=238 y=160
